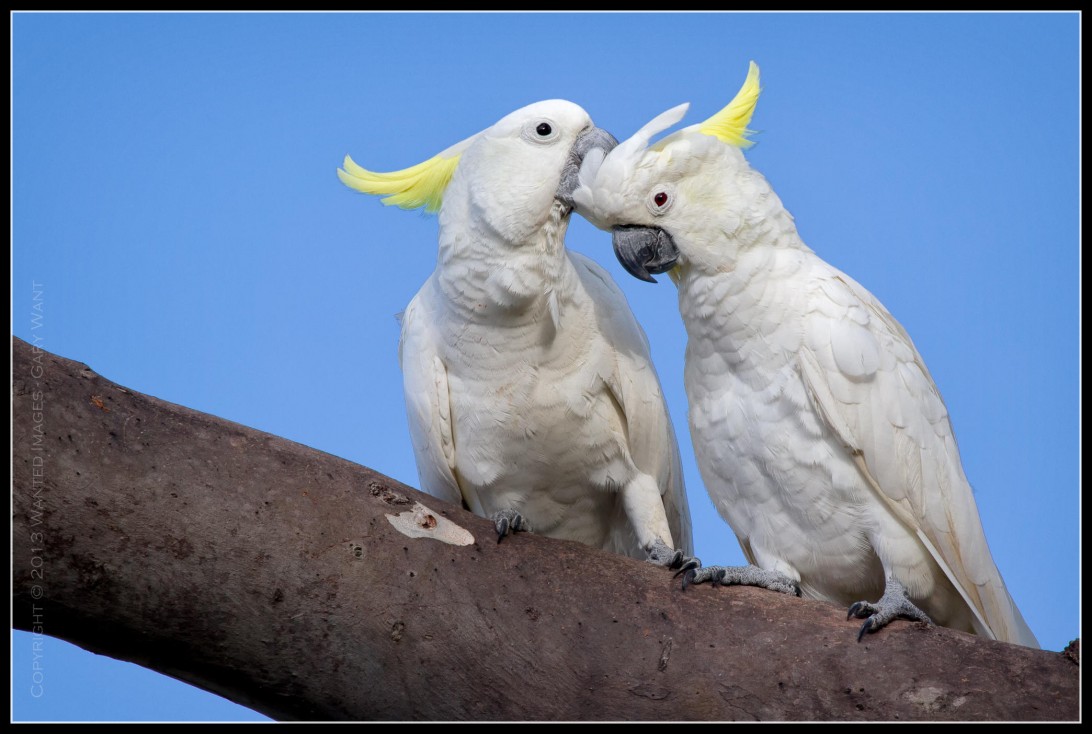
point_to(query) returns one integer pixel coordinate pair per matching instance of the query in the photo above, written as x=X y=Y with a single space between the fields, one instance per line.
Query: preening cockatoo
x=819 y=432
x=530 y=391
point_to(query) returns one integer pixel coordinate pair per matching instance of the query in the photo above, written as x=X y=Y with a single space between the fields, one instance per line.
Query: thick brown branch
x=269 y=573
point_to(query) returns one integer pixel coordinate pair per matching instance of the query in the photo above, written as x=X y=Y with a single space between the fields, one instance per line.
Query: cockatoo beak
x=644 y=250
x=592 y=137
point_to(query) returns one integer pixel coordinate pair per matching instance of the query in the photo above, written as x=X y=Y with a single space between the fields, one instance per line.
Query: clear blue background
x=174 y=193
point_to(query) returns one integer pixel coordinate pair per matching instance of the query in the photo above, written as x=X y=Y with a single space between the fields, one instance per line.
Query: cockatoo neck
x=748 y=226
x=492 y=279
x=742 y=286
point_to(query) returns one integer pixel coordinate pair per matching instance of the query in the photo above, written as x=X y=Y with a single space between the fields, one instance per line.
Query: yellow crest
x=422 y=185
x=730 y=124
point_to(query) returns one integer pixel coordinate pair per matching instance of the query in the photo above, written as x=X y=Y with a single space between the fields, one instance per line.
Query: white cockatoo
x=820 y=435
x=530 y=392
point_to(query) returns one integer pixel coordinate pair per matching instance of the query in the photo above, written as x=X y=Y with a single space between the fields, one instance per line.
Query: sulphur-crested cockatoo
x=530 y=391
x=820 y=435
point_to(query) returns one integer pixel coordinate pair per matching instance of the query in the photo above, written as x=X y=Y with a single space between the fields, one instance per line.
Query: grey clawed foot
x=741 y=576
x=509 y=521
x=670 y=558
x=894 y=603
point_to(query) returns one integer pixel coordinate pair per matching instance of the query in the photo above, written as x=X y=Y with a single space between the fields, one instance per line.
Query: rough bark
x=269 y=573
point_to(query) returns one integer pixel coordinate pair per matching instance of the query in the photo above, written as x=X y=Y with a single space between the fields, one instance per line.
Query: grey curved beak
x=644 y=250
x=592 y=137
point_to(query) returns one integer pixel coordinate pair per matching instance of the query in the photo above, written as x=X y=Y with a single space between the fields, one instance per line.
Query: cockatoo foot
x=742 y=576
x=661 y=554
x=894 y=603
x=509 y=521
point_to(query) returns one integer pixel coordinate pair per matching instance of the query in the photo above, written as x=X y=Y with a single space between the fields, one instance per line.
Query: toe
x=860 y=610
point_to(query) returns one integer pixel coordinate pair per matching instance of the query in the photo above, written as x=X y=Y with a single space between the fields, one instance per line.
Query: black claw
x=688 y=578
x=684 y=564
x=681 y=571
x=866 y=627
x=855 y=610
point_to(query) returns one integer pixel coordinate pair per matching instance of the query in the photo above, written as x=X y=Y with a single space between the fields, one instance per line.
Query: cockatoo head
x=674 y=201
x=507 y=177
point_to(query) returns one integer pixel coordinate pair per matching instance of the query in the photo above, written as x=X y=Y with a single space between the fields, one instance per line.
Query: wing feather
x=636 y=388
x=428 y=406
x=872 y=388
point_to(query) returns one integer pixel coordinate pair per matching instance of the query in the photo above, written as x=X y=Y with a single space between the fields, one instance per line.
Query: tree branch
x=269 y=573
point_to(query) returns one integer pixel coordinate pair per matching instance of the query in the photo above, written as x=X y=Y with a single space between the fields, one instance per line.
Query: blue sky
x=174 y=193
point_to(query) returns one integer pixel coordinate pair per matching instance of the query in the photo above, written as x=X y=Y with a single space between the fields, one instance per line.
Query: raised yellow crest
x=730 y=124
x=418 y=186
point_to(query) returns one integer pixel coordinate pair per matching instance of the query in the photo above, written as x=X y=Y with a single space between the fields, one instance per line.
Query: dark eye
x=660 y=199
x=544 y=129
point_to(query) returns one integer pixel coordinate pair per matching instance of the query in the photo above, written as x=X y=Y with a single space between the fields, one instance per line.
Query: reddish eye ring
x=660 y=199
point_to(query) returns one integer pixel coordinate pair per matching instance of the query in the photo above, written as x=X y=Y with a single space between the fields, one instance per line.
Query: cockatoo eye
x=540 y=131
x=661 y=200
